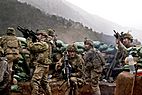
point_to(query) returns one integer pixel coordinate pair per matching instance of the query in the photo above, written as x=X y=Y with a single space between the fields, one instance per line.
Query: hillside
x=14 y=13
x=70 y=11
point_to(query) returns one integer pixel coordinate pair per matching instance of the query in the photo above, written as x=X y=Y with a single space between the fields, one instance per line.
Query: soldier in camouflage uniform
x=52 y=38
x=122 y=46
x=4 y=74
x=11 y=47
x=75 y=62
x=40 y=49
x=93 y=66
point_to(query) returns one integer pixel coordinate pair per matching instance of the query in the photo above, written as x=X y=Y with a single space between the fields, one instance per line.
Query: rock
x=126 y=84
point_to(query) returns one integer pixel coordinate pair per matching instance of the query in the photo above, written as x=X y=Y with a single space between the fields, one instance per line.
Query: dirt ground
x=57 y=89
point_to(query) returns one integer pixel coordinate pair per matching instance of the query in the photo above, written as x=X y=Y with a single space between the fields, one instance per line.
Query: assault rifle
x=118 y=36
x=28 y=33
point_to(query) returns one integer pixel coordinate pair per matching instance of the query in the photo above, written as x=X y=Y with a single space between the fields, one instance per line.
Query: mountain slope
x=14 y=13
x=70 y=11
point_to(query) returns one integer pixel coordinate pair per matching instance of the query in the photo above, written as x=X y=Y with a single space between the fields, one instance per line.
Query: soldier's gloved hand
x=57 y=66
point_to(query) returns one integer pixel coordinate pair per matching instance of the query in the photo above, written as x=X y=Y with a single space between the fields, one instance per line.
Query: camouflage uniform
x=4 y=75
x=122 y=48
x=11 y=46
x=93 y=66
x=42 y=62
x=76 y=63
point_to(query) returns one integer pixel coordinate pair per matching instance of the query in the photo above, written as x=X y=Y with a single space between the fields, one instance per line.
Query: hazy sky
x=124 y=12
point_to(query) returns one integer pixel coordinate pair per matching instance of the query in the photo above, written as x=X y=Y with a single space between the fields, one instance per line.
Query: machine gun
x=66 y=69
x=28 y=33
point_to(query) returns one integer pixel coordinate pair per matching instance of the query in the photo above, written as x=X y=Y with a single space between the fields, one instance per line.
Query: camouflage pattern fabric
x=11 y=46
x=42 y=62
x=93 y=68
x=3 y=68
x=4 y=77
x=76 y=64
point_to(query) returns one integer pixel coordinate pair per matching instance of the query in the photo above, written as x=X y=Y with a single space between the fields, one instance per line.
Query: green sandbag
x=18 y=78
x=23 y=42
x=80 y=51
x=126 y=67
x=14 y=88
x=103 y=47
x=79 y=45
x=140 y=51
x=22 y=74
x=59 y=43
x=110 y=50
x=97 y=44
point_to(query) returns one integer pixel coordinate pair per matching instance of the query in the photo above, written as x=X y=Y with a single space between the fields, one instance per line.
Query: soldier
x=4 y=74
x=40 y=49
x=52 y=37
x=93 y=66
x=75 y=65
x=123 y=45
x=123 y=42
x=11 y=47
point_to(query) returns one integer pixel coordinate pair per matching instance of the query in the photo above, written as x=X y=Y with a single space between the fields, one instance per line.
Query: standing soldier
x=4 y=74
x=74 y=64
x=52 y=38
x=123 y=44
x=11 y=46
x=93 y=66
x=51 y=41
x=42 y=62
x=55 y=54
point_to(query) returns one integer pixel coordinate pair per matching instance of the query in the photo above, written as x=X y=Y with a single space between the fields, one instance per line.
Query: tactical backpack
x=11 y=42
x=39 y=47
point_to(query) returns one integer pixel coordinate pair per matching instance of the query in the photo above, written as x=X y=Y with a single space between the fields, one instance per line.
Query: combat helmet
x=128 y=35
x=51 y=32
x=72 y=48
x=10 y=30
x=42 y=32
x=89 y=42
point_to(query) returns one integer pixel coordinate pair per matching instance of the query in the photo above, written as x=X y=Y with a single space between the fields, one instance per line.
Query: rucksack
x=10 y=42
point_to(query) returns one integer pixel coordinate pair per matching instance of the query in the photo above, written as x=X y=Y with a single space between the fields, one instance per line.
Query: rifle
x=111 y=67
x=28 y=33
x=118 y=35
x=67 y=68
x=113 y=63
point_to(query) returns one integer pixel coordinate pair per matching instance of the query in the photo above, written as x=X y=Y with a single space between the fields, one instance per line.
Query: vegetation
x=14 y=13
